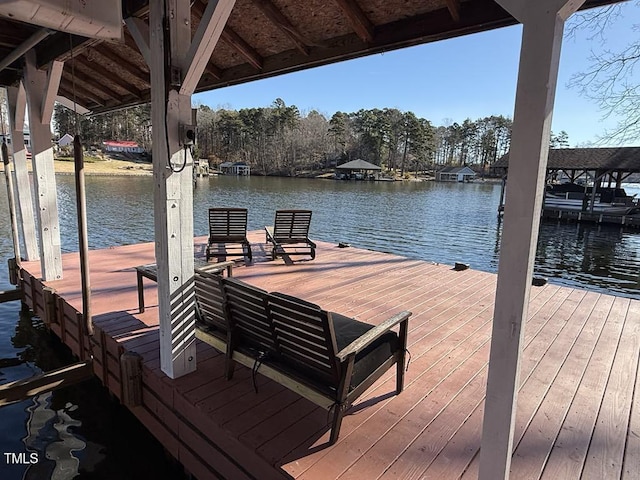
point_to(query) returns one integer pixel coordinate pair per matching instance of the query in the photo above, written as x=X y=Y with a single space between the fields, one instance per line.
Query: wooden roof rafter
x=79 y=90
x=454 y=9
x=279 y=20
x=103 y=72
x=233 y=39
x=131 y=69
x=247 y=51
x=79 y=99
x=62 y=47
x=92 y=82
x=358 y=20
x=213 y=70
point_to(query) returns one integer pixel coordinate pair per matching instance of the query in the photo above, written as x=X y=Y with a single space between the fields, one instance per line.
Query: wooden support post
x=131 y=379
x=173 y=172
x=37 y=84
x=12 y=265
x=11 y=199
x=83 y=238
x=17 y=100
x=49 y=300
x=543 y=23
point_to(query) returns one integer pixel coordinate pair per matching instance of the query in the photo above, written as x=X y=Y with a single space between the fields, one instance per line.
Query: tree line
x=281 y=140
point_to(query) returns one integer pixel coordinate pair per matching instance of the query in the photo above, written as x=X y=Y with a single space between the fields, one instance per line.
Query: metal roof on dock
x=623 y=159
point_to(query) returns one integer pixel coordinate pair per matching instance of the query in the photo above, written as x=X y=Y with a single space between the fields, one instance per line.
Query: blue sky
x=468 y=77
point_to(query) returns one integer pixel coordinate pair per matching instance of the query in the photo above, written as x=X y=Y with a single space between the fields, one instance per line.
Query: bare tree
x=609 y=80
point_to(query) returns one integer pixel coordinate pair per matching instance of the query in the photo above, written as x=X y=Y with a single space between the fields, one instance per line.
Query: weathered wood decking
x=578 y=412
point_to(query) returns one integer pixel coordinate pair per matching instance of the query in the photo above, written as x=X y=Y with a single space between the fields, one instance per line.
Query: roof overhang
x=261 y=39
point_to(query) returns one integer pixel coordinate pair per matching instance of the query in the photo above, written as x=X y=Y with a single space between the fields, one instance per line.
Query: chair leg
x=229 y=364
x=337 y=422
x=400 y=375
x=229 y=367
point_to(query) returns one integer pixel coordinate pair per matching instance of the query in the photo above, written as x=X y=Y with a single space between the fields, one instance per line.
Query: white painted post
x=543 y=23
x=17 y=104
x=37 y=85
x=173 y=176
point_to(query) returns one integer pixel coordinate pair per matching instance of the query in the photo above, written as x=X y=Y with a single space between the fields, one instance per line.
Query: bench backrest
x=305 y=337
x=227 y=224
x=210 y=300
x=291 y=225
x=248 y=316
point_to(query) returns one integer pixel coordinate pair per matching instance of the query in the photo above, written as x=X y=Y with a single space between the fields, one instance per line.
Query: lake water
x=80 y=430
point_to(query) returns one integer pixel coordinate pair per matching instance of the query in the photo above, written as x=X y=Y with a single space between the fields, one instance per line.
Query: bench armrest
x=354 y=347
x=215 y=267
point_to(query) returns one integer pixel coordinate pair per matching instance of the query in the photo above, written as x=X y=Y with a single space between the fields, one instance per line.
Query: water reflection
x=604 y=258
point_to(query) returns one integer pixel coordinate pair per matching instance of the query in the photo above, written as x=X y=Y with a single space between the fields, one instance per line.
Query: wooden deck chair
x=228 y=226
x=291 y=228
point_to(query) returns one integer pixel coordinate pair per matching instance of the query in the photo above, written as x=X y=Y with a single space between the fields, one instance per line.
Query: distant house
x=455 y=174
x=121 y=147
x=235 y=168
x=65 y=140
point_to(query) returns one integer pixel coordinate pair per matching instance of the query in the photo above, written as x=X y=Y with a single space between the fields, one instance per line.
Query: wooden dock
x=578 y=413
x=565 y=215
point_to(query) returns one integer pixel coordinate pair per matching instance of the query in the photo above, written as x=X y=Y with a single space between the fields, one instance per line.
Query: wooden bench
x=326 y=357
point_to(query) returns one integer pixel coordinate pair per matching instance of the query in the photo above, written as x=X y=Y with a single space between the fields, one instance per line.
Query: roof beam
x=358 y=20
x=454 y=9
x=93 y=83
x=83 y=92
x=71 y=105
x=279 y=20
x=79 y=100
x=61 y=46
x=204 y=41
x=242 y=47
x=235 y=41
x=121 y=62
x=213 y=70
x=103 y=72
x=24 y=47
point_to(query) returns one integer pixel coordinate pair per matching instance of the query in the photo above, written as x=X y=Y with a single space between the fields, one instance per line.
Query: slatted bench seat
x=328 y=358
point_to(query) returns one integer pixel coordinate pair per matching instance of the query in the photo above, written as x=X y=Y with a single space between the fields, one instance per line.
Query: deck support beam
x=17 y=100
x=173 y=175
x=543 y=24
x=37 y=83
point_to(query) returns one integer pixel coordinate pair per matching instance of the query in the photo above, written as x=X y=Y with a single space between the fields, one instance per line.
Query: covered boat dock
x=79 y=54
x=590 y=180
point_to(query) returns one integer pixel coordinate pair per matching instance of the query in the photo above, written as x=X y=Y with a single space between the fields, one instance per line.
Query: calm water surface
x=79 y=430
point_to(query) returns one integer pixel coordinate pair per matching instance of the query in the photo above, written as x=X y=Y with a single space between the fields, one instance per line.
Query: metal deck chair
x=228 y=227
x=291 y=228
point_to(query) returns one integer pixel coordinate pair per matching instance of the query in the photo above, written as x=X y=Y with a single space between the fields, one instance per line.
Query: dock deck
x=578 y=413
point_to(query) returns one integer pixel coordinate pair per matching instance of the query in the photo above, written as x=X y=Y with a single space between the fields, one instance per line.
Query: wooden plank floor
x=578 y=411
